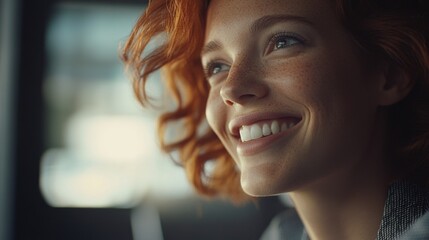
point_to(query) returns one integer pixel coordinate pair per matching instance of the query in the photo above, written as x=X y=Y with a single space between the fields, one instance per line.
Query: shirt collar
x=405 y=203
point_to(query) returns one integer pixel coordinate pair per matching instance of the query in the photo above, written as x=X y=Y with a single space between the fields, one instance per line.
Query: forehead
x=234 y=14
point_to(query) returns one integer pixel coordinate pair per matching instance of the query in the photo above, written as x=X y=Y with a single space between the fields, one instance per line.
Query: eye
x=213 y=68
x=283 y=40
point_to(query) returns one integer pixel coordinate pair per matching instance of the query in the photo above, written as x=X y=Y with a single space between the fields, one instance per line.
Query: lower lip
x=253 y=147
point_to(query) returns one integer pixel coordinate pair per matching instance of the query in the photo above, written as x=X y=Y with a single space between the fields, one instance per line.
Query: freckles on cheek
x=315 y=84
x=303 y=81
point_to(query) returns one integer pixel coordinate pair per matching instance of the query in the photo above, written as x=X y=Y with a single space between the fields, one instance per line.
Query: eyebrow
x=211 y=47
x=257 y=26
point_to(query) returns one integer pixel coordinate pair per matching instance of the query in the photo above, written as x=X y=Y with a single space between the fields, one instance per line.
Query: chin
x=261 y=187
x=274 y=180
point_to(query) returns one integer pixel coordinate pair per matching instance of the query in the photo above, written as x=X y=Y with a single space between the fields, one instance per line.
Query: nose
x=243 y=86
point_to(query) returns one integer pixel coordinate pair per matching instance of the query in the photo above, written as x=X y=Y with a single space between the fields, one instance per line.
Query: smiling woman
x=306 y=97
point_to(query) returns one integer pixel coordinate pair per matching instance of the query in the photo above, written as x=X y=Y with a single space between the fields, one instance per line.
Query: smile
x=266 y=128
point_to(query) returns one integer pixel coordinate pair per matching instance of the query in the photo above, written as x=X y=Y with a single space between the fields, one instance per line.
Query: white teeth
x=275 y=128
x=266 y=130
x=255 y=131
x=245 y=134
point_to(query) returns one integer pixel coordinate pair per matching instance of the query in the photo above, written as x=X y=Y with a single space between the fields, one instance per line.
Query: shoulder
x=416 y=210
x=406 y=209
x=419 y=230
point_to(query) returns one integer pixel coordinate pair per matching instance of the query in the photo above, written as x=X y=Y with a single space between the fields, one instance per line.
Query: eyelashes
x=214 y=67
x=278 y=41
x=283 y=40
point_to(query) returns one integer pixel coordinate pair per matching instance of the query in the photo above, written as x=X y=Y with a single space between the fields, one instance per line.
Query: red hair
x=182 y=22
x=395 y=31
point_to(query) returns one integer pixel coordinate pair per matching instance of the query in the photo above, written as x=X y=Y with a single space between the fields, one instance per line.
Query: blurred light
x=108 y=161
x=123 y=139
x=102 y=145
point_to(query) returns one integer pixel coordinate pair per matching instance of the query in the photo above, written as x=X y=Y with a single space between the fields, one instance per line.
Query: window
x=102 y=146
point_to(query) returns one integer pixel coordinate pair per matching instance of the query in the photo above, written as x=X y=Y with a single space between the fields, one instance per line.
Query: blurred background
x=78 y=155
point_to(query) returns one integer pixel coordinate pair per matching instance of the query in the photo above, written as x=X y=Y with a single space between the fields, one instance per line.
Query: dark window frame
x=32 y=217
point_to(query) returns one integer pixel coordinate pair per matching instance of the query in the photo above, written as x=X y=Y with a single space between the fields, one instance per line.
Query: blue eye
x=213 y=68
x=283 y=40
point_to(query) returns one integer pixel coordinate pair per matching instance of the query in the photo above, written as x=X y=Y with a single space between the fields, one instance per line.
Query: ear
x=396 y=85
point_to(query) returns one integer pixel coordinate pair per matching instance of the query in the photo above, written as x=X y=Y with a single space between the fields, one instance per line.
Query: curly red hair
x=182 y=22
x=395 y=31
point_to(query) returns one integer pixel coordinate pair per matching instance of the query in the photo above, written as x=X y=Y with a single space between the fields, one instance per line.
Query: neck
x=348 y=204
x=345 y=211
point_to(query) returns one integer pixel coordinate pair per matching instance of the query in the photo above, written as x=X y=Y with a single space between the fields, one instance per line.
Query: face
x=292 y=98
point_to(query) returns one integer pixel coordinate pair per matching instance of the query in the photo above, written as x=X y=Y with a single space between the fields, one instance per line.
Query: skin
x=307 y=67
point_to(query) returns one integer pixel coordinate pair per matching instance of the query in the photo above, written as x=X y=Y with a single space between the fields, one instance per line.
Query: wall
x=7 y=49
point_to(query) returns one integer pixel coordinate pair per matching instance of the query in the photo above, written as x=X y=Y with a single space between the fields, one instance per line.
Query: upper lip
x=248 y=119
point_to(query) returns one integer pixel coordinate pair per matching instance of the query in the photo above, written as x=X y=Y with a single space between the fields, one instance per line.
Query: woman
x=325 y=100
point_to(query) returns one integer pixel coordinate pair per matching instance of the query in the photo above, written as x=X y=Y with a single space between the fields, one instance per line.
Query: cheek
x=329 y=91
x=304 y=81
x=215 y=112
x=320 y=82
